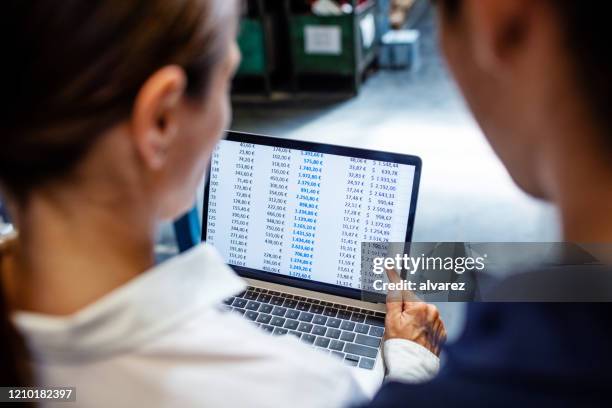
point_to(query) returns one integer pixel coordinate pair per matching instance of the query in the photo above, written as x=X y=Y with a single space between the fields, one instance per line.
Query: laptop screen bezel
x=306 y=284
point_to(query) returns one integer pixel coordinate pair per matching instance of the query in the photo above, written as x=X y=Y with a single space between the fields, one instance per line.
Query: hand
x=411 y=319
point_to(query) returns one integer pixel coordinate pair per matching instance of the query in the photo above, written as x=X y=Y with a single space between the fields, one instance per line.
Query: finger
x=438 y=327
x=394 y=306
x=441 y=329
x=394 y=297
x=438 y=336
x=392 y=275
x=443 y=336
x=435 y=346
x=432 y=317
x=433 y=314
x=434 y=322
x=403 y=295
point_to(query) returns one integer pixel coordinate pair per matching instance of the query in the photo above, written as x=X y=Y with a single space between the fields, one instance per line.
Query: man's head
x=536 y=75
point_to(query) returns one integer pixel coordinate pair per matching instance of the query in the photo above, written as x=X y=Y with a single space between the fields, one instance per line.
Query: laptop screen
x=301 y=213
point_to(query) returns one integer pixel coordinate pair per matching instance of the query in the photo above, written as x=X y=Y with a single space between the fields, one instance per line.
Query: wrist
x=419 y=340
x=408 y=361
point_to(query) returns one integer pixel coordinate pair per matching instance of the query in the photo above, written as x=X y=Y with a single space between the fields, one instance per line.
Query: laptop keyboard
x=350 y=333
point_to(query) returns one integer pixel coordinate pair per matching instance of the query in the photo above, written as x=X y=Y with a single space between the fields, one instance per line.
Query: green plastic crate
x=252 y=47
x=304 y=63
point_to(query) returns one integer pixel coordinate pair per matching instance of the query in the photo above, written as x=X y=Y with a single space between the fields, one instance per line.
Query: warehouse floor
x=466 y=195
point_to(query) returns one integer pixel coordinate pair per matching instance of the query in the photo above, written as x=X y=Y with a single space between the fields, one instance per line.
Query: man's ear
x=154 y=118
x=498 y=29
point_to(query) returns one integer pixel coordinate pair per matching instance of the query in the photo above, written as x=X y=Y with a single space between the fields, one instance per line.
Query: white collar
x=139 y=310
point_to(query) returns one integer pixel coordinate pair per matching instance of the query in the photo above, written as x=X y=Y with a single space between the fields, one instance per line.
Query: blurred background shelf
x=251 y=43
x=254 y=40
x=293 y=51
x=334 y=49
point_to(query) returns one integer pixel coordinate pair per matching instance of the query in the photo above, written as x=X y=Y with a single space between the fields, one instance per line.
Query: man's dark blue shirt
x=520 y=355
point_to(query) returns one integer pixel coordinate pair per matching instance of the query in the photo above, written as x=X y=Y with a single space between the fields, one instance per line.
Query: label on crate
x=368 y=30
x=323 y=39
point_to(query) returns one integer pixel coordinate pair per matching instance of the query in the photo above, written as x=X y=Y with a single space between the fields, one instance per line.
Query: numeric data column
x=381 y=202
x=348 y=255
x=241 y=204
x=211 y=227
x=306 y=213
x=276 y=210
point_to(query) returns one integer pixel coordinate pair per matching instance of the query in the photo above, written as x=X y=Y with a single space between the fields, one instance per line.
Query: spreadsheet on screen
x=301 y=213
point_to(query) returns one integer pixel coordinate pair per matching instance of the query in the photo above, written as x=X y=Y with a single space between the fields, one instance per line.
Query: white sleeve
x=409 y=362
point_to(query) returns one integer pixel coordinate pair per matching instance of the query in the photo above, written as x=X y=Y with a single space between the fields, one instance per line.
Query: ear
x=498 y=29
x=154 y=117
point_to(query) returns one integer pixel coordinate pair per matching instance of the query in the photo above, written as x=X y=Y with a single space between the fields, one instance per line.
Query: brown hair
x=72 y=69
x=13 y=363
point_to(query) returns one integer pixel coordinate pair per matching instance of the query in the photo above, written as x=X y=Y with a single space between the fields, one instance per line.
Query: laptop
x=290 y=217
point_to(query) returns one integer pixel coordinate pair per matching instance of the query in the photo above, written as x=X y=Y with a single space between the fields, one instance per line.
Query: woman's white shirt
x=163 y=340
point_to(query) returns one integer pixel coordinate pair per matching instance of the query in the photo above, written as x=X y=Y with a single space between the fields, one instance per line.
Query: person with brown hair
x=113 y=110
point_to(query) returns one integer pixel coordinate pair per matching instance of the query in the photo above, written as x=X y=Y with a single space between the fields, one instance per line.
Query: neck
x=583 y=191
x=74 y=250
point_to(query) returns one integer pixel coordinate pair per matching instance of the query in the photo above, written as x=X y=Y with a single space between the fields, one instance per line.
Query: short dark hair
x=585 y=27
